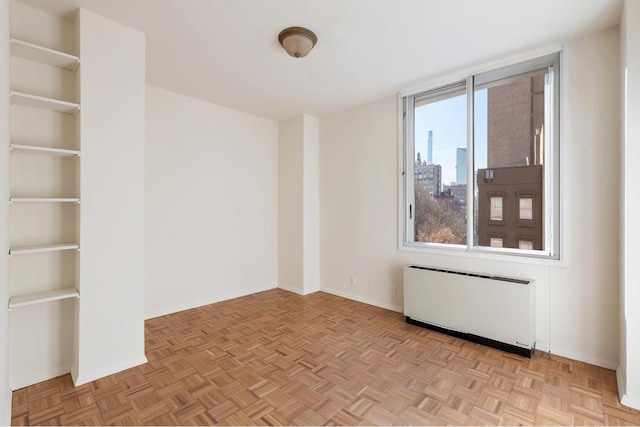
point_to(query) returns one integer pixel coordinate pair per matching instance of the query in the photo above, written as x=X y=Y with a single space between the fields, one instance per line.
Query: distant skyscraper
x=461 y=165
x=430 y=148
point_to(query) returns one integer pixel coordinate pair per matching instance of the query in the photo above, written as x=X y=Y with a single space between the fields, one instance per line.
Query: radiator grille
x=482 y=276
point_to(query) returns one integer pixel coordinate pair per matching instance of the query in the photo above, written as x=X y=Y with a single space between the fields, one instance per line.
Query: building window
x=525 y=208
x=496 y=242
x=525 y=245
x=528 y=212
x=496 y=208
x=512 y=150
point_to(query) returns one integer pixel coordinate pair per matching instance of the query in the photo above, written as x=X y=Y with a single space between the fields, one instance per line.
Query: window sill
x=490 y=254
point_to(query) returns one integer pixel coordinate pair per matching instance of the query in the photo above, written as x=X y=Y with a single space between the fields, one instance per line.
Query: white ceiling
x=227 y=51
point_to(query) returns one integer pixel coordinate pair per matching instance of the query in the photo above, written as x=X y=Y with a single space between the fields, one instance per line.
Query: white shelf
x=44 y=200
x=43 y=248
x=44 y=55
x=60 y=152
x=34 y=101
x=40 y=297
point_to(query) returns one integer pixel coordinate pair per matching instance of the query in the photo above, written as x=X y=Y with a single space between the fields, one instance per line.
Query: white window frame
x=552 y=202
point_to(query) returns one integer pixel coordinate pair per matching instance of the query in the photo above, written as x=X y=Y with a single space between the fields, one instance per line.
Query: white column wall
x=298 y=204
x=311 y=203
x=629 y=369
x=290 y=204
x=5 y=389
x=111 y=308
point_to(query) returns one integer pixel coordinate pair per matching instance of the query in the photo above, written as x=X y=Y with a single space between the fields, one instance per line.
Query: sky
x=447 y=119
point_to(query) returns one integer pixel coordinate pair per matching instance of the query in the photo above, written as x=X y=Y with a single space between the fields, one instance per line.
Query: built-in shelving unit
x=33 y=249
x=40 y=297
x=44 y=55
x=44 y=182
x=60 y=152
x=34 y=101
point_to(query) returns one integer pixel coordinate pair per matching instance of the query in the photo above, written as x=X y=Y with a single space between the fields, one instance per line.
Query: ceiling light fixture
x=297 y=41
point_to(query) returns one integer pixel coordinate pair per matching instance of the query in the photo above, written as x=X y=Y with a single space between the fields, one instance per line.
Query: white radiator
x=497 y=311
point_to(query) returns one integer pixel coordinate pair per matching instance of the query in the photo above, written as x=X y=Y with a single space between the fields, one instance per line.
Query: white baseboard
x=218 y=298
x=630 y=401
x=296 y=291
x=87 y=377
x=290 y=289
x=5 y=411
x=37 y=377
x=625 y=399
x=363 y=300
x=542 y=347
x=622 y=383
x=592 y=360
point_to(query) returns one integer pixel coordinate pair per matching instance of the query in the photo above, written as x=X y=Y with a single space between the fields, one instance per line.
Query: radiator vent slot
x=492 y=310
x=481 y=276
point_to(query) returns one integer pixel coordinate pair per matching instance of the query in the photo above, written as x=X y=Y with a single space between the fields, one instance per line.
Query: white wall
x=358 y=204
x=629 y=369
x=311 y=203
x=5 y=390
x=290 y=204
x=298 y=204
x=111 y=309
x=210 y=204
x=577 y=302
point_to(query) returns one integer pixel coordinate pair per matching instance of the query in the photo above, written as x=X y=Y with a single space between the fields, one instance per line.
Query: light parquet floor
x=277 y=358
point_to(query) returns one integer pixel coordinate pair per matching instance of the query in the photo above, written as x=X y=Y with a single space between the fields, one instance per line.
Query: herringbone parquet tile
x=277 y=358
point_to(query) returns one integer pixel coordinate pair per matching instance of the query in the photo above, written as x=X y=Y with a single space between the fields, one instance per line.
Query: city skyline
x=446 y=119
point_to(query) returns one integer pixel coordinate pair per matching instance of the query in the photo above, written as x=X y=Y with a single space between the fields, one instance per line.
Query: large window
x=481 y=162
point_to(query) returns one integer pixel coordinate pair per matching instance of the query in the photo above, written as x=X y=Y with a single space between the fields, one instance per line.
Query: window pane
x=496 y=209
x=440 y=168
x=525 y=244
x=515 y=152
x=496 y=242
x=509 y=138
x=526 y=208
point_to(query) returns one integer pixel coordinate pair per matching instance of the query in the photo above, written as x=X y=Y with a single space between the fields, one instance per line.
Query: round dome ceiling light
x=297 y=41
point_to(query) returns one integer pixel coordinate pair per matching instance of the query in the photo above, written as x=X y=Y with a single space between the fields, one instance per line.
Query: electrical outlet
x=353 y=281
x=394 y=291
